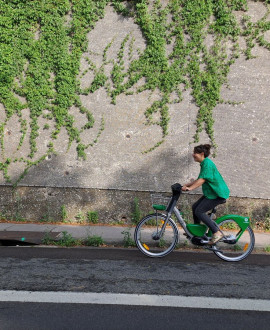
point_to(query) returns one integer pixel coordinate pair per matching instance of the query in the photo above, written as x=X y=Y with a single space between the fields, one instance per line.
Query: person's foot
x=215 y=238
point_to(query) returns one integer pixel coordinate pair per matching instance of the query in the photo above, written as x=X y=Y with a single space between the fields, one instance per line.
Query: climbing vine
x=191 y=62
x=42 y=43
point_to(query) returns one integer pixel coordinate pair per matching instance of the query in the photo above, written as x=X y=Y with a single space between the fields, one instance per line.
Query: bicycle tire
x=146 y=232
x=240 y=247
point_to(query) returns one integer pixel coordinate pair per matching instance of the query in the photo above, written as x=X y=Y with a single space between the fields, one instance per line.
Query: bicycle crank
x=198 y=241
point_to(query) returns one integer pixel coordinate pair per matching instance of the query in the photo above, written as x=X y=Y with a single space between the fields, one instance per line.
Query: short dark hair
x=205 y=148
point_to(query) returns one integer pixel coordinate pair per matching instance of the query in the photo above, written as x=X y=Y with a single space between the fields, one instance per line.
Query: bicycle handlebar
x=176 y=191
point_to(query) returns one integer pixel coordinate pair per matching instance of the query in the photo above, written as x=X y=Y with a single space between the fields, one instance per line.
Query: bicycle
x=156 y=235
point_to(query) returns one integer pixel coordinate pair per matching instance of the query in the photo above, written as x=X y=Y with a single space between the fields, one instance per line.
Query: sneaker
x=215 y=238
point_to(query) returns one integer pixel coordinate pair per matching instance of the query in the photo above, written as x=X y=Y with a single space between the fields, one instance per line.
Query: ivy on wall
x=191 y=64
x=42 y=42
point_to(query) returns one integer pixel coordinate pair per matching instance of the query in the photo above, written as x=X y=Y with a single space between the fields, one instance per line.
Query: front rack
x=160 y=202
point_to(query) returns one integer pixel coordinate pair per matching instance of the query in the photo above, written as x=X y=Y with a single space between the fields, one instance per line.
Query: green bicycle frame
x=201 y=229
x=243 y=222
x=198 y=230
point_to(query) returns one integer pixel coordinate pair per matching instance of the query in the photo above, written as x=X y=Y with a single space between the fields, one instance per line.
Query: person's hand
x=185 y=188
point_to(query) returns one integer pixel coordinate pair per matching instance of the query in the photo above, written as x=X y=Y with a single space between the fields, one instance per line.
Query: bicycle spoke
x=148 y=236
x=236 y=245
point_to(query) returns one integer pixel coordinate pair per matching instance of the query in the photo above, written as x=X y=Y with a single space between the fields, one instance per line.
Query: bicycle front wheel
x=148 y=239
x=237 y=244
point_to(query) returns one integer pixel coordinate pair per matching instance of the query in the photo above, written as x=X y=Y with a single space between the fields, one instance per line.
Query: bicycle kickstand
x=212 y=248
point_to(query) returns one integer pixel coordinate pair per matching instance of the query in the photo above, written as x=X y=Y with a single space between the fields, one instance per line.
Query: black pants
x=200 y=208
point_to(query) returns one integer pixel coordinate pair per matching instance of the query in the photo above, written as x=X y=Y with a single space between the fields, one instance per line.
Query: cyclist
x=215 y=190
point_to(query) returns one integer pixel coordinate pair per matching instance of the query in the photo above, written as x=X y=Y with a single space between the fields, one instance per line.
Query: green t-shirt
x=214 y=185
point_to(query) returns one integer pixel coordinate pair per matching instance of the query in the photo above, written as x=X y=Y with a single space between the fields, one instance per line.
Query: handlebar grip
x=176 y=188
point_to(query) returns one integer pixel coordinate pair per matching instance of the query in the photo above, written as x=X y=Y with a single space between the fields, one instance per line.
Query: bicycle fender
x=243 y=222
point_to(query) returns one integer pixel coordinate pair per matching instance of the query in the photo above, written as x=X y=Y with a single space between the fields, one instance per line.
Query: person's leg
x=194 y=207
x=204 y=206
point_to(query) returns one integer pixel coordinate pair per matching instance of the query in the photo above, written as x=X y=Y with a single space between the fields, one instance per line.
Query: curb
x=111 y=235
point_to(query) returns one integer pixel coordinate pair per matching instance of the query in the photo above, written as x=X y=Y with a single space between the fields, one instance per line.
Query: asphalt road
x=127 y=271
x=29 y=316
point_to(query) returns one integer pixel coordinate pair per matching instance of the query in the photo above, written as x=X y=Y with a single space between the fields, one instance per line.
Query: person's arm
x=190 y=183
x=193 y=185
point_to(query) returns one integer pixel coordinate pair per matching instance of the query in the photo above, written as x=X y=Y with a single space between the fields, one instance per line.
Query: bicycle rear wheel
x=237 y=244
x=147 y=236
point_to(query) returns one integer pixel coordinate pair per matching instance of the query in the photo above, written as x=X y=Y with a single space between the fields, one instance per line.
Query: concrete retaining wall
x=113 y=206
x=116 y=169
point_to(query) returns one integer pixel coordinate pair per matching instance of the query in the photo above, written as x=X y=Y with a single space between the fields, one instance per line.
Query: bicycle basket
x=160 y=202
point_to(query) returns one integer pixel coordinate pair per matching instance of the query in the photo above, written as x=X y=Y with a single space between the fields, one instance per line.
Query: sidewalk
x=34 y=233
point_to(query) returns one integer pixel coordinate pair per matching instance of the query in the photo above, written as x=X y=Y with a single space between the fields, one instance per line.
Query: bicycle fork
x=176 y=190
x=156 y=236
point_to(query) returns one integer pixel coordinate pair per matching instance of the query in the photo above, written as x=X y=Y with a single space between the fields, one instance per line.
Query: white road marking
x=134 y=300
